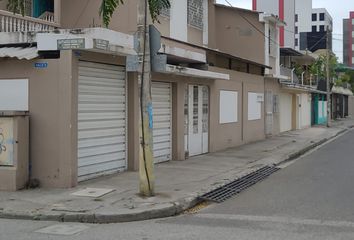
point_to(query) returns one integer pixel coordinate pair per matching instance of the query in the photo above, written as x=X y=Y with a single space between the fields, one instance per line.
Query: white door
x=269 y=113
x=285 y=111
x=298 y=111
x=101 y=119
x=198 y=120
x=162 y=118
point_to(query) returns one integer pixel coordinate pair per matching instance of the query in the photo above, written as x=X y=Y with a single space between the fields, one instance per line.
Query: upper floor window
x=195 y=13
x=314 y=28
x=322 y=16
x=296 y=18
x=322 y=28
x=314 y=16
x=296 y=30
x=296 y=42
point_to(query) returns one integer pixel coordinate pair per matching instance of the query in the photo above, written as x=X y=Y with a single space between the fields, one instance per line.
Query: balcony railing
x=10 y=22
x=290 y=74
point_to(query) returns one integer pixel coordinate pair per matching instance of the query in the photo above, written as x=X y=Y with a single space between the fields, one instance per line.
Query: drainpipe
x=302 y=78
x=292 y=75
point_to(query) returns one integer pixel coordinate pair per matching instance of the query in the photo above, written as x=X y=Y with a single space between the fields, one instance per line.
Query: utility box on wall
x=14 y=150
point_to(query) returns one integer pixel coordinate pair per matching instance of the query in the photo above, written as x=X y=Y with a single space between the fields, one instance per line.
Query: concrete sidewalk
x=178 y=184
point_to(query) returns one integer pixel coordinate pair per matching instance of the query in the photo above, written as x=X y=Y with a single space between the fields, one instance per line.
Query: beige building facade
x=84 y=103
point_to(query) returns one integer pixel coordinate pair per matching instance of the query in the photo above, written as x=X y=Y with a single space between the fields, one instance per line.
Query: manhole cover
x=92 y=192
x=63 y=229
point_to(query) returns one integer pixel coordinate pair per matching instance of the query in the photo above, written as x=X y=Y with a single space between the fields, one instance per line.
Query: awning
x=192 y=72
x=300 y=88
x=342 y=90
x=27 y=53
x=286 y=51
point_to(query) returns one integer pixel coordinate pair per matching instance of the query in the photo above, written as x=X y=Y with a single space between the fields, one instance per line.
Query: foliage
x=16 y=6
x=107 y=8
x=346 y=77
x=319 y=67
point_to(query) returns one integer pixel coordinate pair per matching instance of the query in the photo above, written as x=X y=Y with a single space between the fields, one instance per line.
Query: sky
x=339 y=9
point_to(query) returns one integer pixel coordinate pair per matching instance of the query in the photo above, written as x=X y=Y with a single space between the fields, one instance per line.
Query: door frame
x=187 y=137
x=127 y=154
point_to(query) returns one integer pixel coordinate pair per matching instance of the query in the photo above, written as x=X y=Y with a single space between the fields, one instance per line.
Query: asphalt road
x=313 y=198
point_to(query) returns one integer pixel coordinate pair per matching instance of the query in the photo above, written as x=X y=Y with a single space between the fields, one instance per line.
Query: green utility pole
x=146 y=159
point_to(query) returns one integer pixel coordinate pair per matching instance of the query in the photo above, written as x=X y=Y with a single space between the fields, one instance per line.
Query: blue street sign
x=41 y=65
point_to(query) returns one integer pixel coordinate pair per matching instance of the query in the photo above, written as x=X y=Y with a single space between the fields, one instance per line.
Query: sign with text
x=40 y=65
x=100 y=44
x=75 y=43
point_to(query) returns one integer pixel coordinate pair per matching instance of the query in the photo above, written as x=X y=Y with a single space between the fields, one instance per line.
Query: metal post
x=292 y=75
x=302 y=78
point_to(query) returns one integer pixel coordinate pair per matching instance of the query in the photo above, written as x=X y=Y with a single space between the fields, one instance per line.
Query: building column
x=133 y=122
x=178 y=96
x=57 y=11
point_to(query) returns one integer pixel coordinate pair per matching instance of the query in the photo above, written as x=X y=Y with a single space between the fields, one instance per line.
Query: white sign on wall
x=14 y=95
x=254 y=106
x=260 y=97
x=228 y=107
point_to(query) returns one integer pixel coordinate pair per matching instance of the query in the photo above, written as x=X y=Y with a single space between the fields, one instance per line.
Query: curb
x=167 y=210
x=301 y=152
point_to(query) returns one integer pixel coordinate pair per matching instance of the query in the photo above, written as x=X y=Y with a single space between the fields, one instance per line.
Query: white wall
x=285 y=112
x=228 y=107
x=272 y=6
x=269 y=6
x=305 y=110
x=328 y=18
x=289 y=18
x=14 y=95
x=178 y=22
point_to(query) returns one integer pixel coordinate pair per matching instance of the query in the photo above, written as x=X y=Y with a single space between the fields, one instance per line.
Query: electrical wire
x=260 y=31
x=255 y=27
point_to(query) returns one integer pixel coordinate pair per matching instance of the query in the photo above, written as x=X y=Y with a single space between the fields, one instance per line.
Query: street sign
x=40 y=65
x=100 y=44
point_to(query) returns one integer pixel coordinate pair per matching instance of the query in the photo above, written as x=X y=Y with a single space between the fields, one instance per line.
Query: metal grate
x=225 y=192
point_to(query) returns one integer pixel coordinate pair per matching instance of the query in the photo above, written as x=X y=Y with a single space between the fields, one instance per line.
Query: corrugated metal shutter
x=101 y=120
x=162 y=132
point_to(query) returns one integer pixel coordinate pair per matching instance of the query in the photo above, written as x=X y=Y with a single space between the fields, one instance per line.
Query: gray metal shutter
x=101 y=120
x=162 y=132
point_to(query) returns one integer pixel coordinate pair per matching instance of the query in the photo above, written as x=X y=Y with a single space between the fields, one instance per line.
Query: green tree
x=319 y=67
x=106 y=11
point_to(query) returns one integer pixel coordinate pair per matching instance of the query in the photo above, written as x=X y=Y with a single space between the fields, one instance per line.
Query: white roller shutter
x=162 y=132
x=101 y=120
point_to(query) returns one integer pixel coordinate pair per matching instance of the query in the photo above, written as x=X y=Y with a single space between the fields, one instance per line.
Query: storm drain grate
x=225 y=192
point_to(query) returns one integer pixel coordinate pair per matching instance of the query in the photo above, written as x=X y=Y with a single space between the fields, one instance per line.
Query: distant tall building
x=303 y=11
x=305 y=26
x=348 y=40
x=285 y=10
x=317 y=37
